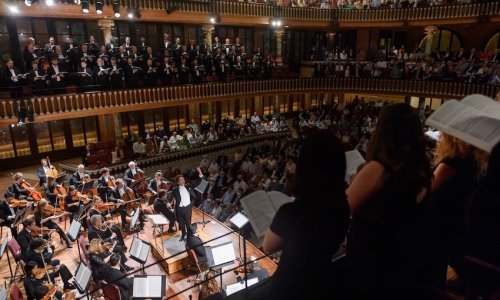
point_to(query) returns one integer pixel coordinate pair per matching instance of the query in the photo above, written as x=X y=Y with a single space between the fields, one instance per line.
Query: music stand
x=13 y=276
x=135 y=217
x=240 y=220
x=139 y=251
x=159 y=220
x=149 y=286
x=220 y=256
x=21 y=215
x=201 y=188
x=82 y=214
x=60 y=177
x=85 y=187
x=74 y=230
x=82 y=278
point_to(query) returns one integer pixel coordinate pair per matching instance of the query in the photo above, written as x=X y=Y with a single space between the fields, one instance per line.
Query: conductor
x=184 y=198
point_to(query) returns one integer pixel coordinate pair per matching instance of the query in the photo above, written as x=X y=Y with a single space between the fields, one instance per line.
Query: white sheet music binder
x=238 y=286
x=139 y=250
x=220 y=254
x=4 y=245
x=82 y=277
x=3 y=292
x=73 y=231
x=239 y=220
x=152 y=286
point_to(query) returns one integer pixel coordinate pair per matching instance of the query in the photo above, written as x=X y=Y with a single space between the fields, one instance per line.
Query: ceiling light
x=49 y=2
x=116 y=8
x=85 y=6
x=214 y=19
x=28 y=2
x=99 y=5
x=13 y=9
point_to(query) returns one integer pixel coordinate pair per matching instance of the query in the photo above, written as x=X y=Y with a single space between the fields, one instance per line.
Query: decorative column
x=279 y=38
x=208 y=29
x=117 y=120
x=106 y=26
x=430 y=31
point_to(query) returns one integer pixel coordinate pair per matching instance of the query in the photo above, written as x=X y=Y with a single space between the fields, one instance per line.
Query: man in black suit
x=40 y=253
x=56 y=75
x=128 y=176
x=108 y=235
x=193 y=241
x=184 y=199
x=103 y=187
x=7 y=216
x=163 y=206
x=115 y=276
x=12 y=79
x=24 y=237
x=77 y=177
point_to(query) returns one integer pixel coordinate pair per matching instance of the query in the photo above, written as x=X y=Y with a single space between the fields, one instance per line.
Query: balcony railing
x=98 y=103
x=315 y=14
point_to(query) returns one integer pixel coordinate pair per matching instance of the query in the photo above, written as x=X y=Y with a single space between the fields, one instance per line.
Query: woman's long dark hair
x=321 y=170
x=398 y=143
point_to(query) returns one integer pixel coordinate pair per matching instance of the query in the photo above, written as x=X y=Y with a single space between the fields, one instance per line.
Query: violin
x=80 y=197
x=18 y=203
x=36 y=195
x=106 y=206
x=49 y=210
x=111 y=182
x=60 y=192
x=40 y=231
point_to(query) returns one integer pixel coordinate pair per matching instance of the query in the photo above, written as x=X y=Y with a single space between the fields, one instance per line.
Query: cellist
x=129 y=174
x=105 y=184
x=77 y=177
x=119 y=193
x=20 y=192
x=42 y=220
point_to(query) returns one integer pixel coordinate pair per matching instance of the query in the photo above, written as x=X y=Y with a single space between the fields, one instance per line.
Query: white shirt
x=185 y=198
x=139 y=148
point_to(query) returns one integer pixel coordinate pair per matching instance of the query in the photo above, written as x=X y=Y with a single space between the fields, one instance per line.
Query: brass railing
x=315 y=14
x=95 y=103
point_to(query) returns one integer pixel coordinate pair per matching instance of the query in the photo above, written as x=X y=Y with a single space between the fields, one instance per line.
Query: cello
x=51 y=170
x=33 y=193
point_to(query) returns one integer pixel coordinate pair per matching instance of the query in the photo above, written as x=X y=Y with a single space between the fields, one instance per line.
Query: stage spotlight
x=49 y=2
x=85 y=6
x=130 y=13
x=28 y=2
x=116 y=8
x=99 y=5
x=77 y=2
x=275 y=22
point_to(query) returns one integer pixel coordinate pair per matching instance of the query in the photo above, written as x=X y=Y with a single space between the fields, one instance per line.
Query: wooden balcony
x=68 y=106
x=196 y=11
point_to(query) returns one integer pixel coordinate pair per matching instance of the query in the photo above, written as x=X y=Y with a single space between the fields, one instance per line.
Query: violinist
x=21 y=188
x=52 y=191
x=25 y=237
x=164 y=207
x=7 y=217
x=42 y=219
x=37 y=277
x=78 y=177
x=117 y=276
x=45 y=170
x=105 y=184
x=72 y=202
x=98 y=257
x=105 y=210
x=130 y=174
x=107 y=234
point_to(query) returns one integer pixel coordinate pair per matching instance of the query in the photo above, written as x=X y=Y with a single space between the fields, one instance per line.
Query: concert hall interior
x=249 y=149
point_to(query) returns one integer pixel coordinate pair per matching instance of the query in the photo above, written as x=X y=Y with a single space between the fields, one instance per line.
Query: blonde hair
x=41 y=204
x=17 y=176
x=210 y=286
x=452 y=147
x=95 y=246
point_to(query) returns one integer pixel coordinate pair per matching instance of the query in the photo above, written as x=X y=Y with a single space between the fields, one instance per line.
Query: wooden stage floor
x=177 y=281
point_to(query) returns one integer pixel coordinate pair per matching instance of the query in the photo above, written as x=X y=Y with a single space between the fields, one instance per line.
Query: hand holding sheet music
x=475 y=120
x=353 y=160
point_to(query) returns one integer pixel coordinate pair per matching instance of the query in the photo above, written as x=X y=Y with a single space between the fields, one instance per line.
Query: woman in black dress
x=310 y=230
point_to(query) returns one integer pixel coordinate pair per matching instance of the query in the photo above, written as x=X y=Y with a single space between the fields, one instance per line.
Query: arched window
x=493 y=42
x=443 y=40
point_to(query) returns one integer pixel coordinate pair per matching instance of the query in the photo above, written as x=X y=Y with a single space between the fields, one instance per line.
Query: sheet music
x=139 y=249
x=475 y=123
x=223 y=254
x=235 y=287
x=259 y=210
x=3 y=292
x=82 y=276
x=135 y=217
x=278 y=198
x=4 y=245
x=74 y=229
x=239 y=220
x=147 y=287
x=353 y=160
x=158 y=219
x=202 y=187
